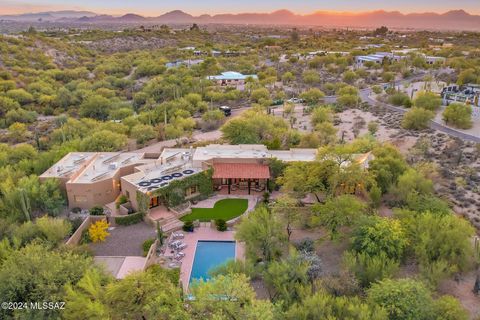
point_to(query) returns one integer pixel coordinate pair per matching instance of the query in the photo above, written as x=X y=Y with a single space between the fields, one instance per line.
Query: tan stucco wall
x=132 y=191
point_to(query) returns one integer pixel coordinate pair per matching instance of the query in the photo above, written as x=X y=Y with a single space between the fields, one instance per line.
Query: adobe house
x=169 y=179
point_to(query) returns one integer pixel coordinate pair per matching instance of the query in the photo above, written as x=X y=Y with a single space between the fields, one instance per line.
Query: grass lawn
x=225 y=209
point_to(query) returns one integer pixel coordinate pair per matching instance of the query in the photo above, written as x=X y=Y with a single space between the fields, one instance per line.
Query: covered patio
x=240 y=178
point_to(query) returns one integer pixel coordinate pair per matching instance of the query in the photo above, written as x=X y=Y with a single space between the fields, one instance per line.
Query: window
x=80 y=198
x=191 y=191
x=127 y=194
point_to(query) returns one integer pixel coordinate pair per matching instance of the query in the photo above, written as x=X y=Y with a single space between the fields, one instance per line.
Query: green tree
x=412 y=181
x=236 y=300
x=349 y=76
x=310 y=77
x=287 y=279
x=449 y=308
x=417 y=119
x=262 y=233
x=403 y=299
x=96 y=107
x=86 y=299
x=427 y=100
x=104 y=140
x=320 y=115
x=288 y=77
x=153 y=294
x=21 y=96
x=37 y=273
x=369 y=269
x=375 y=235
x=387 y=166
x=54 y=230
x=323 y=306
x=312 y=96
x=260 y=94
x=142 y=133
x=458 y=115
x=400 y=99
x=212 y=119
x=439 y=239
x=338 y=212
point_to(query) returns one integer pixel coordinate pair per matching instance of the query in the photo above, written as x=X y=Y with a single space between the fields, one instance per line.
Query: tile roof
x=240 y=171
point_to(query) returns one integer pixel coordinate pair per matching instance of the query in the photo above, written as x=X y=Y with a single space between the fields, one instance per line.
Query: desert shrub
x=188 y=226
x=221 y=225
x=96 y=211
x=146 y=246
x=305 y=245
x=400 y=99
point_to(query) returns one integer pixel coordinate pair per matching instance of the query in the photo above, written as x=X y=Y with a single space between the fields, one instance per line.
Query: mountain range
x=452 y=20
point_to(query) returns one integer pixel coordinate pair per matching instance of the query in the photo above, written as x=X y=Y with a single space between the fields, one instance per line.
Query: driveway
x=124 y=240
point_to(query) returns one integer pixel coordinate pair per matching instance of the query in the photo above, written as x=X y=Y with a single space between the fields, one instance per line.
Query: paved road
x=365 y=96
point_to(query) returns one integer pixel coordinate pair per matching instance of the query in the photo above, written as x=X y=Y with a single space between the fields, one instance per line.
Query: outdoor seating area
x=176 y=245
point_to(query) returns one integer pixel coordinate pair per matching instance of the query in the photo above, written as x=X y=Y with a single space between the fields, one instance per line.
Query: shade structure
x=240 y=171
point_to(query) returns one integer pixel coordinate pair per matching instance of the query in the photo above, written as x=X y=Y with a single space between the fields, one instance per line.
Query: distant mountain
x=131 y=17
x=453 y=20
x=48 y=16
x=176 y=16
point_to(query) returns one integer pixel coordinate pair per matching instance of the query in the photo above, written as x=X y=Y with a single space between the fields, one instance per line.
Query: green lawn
x=225 y=209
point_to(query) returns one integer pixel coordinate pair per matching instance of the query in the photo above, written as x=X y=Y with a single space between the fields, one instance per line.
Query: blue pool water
x=210 y=254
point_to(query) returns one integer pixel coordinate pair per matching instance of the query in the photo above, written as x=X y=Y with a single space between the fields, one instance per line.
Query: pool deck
x=202 y=234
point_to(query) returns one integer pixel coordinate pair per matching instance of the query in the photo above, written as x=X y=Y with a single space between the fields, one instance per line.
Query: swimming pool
x=210 y=254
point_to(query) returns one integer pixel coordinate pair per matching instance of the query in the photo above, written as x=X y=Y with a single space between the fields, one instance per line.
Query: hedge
x=129 y=219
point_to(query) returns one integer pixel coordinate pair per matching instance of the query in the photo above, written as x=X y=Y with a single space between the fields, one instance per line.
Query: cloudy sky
x=157 y=7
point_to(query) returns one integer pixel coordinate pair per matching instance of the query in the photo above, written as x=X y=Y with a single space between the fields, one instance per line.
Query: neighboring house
x=468 y=94
x=187 y=63
x=171 y=178
x=377 y=58
x=434 y=60
x=231 y=79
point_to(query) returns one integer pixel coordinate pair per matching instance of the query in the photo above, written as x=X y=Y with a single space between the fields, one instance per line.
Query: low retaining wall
x=151 y=257
x=77 y=235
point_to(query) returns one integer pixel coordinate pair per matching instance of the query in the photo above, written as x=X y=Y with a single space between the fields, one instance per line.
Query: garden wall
x=77 y=235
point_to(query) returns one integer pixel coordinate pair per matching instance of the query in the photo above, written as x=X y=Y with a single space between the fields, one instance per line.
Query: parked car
x=226 y=110
x=296 y=100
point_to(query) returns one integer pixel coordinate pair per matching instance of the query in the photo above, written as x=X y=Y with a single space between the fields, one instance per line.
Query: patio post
x=229 y=184
x=248 y=186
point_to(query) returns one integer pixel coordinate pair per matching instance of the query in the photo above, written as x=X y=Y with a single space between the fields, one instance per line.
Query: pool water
x=210 y=254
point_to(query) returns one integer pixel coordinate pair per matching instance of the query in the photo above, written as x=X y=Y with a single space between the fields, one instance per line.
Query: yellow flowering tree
x=98 y=231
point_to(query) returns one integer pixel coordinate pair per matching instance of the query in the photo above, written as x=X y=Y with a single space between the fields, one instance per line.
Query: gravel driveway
x=124 y=241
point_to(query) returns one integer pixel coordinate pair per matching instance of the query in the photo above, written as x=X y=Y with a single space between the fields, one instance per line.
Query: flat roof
x=251 y=151
x=231 y=75
x=69 y=164
x=105 y=165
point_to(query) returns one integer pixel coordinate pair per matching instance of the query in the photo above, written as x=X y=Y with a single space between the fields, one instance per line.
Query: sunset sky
x=157 y=7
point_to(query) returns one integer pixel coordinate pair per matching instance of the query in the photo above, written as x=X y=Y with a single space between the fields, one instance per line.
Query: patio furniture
x=174 y=244
x=178 y=235
x=181 y=246
x=173 y=265
x=179 y=256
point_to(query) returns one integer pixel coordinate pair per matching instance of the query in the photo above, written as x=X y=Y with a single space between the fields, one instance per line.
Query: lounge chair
x=181 y=246
x=174 y=244
x=178 y=235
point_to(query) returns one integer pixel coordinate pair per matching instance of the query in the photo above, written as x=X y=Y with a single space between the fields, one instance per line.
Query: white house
x=232 y=79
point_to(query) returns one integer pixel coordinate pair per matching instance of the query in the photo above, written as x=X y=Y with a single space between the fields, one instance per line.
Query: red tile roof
x=240 y=171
